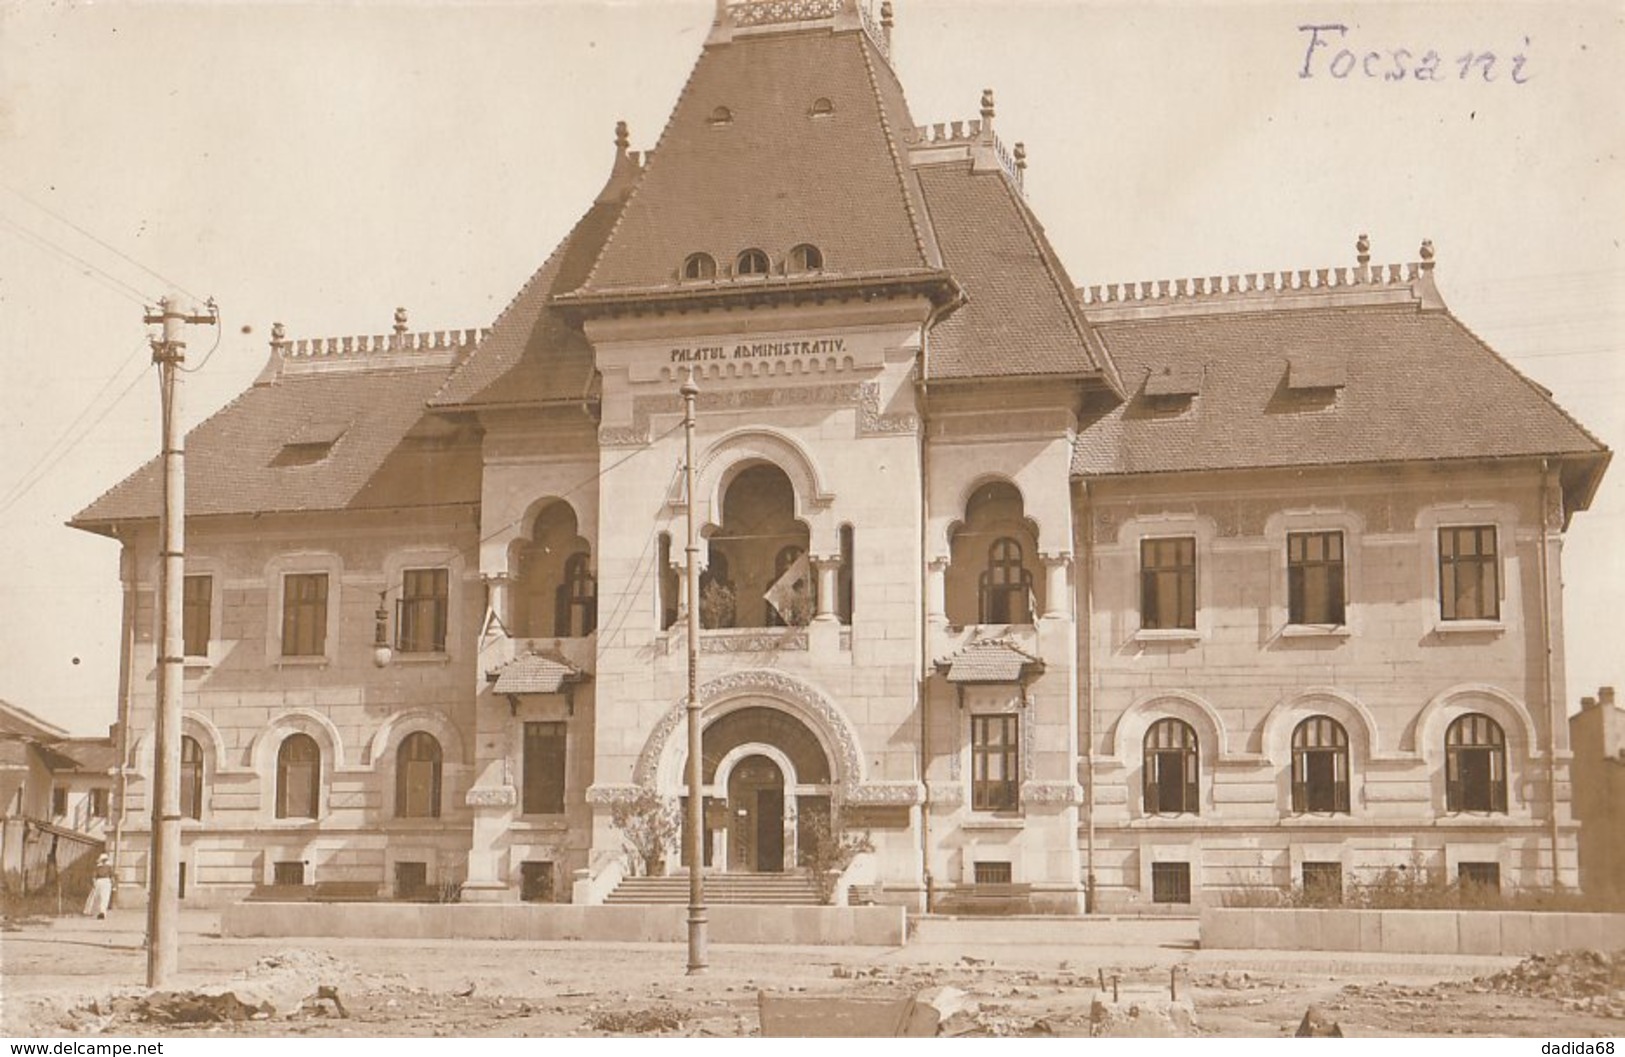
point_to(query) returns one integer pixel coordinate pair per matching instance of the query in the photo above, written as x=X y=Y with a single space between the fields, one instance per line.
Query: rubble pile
x=1583 y=980
x=647 y=1021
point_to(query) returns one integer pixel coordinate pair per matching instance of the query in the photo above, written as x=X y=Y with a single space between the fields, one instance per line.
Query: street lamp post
x=697 y=954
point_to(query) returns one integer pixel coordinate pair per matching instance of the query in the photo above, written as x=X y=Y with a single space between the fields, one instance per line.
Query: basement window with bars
x=1323 y=882
x=1170 y=882
x=993 y=873
x=1479 y=876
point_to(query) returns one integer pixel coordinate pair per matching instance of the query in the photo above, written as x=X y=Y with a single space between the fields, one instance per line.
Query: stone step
x=762 y=889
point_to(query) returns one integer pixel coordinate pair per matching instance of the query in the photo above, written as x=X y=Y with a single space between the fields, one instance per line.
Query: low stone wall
x=1409 y=931
x=883 y=926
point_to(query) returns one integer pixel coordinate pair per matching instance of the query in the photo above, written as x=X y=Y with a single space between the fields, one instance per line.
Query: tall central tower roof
x=787 y=134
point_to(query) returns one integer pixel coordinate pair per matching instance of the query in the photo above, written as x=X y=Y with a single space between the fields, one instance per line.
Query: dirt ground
x=78 y=978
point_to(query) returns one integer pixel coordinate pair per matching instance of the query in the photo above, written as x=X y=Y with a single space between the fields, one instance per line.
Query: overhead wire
x=49 y=461
x=111 y=281
x=101 y=242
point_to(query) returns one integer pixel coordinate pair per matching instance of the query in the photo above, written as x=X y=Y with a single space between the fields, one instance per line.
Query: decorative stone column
x=1055 y=567
x=936 y=591
x=827 y=570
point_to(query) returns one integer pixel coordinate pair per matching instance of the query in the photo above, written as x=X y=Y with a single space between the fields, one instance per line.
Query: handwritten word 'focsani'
x=1402 y=64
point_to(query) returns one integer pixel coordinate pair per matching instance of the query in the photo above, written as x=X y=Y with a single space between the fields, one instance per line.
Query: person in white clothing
x=101 y=889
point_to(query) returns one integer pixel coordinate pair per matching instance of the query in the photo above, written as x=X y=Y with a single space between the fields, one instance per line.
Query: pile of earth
x=1593 y=981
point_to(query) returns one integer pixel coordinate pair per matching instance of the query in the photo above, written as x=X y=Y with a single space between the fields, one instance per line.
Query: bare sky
x=319 y=165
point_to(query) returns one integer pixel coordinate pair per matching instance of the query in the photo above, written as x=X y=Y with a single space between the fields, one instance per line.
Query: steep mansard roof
x=1364 y=380
x=325 y=431
x=1018 y=318
x=750 y=161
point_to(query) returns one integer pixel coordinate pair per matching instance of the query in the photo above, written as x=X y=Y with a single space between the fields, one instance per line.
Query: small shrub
x=827 y=850
x=650 y=825
x=717 y=606
x=448 y=892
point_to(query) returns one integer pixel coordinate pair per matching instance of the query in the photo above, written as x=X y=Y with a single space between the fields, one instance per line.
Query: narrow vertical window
x=191 y=777
x=1314 y=573
x=843 y=578
x=420 y=612
x=1171 y=769
x=575 y=601
x=1168 y=583
x=417 y=777
x=668 y=584
x=196 y=595
x=1006 y=585
x=1469 y=573
x=304 y=614
x=1320 y=767
x=1475 y=765
x=298 y=777
x=544 y=769
x=995 y=763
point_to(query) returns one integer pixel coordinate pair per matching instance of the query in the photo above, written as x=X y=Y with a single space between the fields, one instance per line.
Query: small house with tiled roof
x=1101 y=596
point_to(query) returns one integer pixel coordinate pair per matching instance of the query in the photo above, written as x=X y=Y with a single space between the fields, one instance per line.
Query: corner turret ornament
x=1362 y=249
x=400 y=321
x=623 y=137
x=1427 y=255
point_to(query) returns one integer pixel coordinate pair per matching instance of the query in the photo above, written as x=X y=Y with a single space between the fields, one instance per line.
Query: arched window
x=191 y=777
x=1171 y=769
x=751 y=262
x=575 y=601
x=1475 y=765
x=417 y=777
x=298 y=777
x=1320 y=767
x=796 y=599
x=806 y=258
x=699 y=266
x=1006 y=585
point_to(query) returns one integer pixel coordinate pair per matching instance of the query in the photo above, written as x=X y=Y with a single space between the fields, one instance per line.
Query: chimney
x=1605 y=696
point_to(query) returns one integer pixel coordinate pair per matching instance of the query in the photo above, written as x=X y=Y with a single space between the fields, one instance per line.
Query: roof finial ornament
x=1427 y=255
x=623 y=137
x=886 y=18
x=279 y=333
x=1021 y=157
x=987 y=108
x=1362 y=250
x=400 y=321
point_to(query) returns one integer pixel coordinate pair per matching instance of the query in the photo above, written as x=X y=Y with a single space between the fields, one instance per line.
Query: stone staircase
x=761 y=889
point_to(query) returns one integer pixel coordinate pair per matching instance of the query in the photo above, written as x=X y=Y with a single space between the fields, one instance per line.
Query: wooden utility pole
x=163 y=864
x=698 y=959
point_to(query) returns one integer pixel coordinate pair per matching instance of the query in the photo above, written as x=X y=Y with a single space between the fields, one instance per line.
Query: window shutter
x=1152 y=804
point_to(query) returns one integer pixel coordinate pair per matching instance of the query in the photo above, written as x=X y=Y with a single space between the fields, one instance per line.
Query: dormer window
x=699 y=266
x=311 y=443
x=806 y=258
x=721 y=116
x=752 y=262
x=822 y=108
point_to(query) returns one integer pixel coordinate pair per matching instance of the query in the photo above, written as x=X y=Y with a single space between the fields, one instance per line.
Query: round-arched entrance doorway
x=767 y=790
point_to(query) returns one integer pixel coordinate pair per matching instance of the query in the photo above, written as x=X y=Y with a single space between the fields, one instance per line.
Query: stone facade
x=1003 y=573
